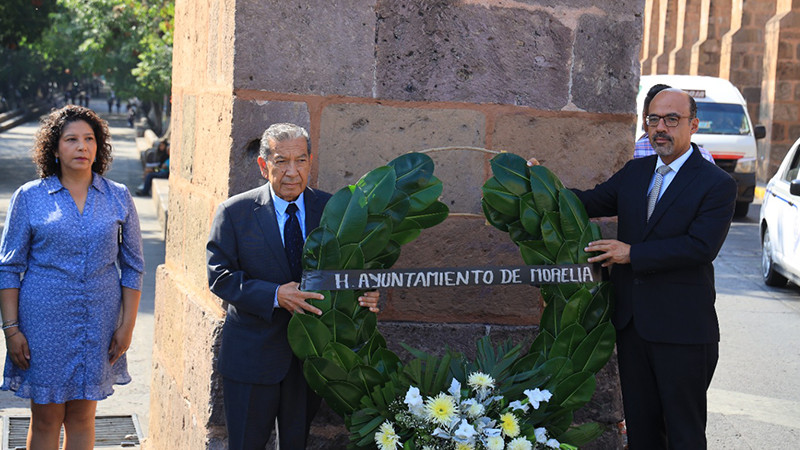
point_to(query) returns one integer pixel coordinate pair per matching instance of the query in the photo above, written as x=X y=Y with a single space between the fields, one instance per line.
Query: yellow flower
x=462 y=446
x=479 y=380
x=386 y=438
x=495 y=443
x=509 y=425
x=520 y=443
x=441 y=409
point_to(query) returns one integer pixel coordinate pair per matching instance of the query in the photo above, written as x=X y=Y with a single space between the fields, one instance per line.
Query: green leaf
x=321 y=250
x=387 y=257
x=496 y=196
x=365 y=377
x=433 y=215
x=582 y=434
x=421 y=199
x=600 y=307
x=531 y=220
x=343 y=397
x=346 y=215
x=384 y=361
x=542 y=344
x=341 y=355
x=575 y=391
x=404 y=237
x=567 y=253
x=376 y=236
x=534 y=253
x=576 y=307
x=567 y=341
x=375 y=342
x=341 y=326
x=378 y=188
x=573 y=214
x=596 y=349
x=366 y=322
x=308 y=336
x=344 y=301
x=352 y=258
x=551 y=232
x=512 y=172
x=413 y=171
x=551 y=316
x=517 y=233
x=495 y=218
x=544 y=186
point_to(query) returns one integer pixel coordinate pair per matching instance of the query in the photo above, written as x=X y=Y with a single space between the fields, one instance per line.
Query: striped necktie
x=652 y=199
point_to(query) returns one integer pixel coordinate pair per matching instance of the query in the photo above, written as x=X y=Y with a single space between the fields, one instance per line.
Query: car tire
x=771 y=277
x=741 y=209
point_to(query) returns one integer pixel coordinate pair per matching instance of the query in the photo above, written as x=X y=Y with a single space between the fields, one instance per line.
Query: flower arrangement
x=467 y=419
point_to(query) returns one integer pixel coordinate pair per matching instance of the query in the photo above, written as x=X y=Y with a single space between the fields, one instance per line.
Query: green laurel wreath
x=345 y=358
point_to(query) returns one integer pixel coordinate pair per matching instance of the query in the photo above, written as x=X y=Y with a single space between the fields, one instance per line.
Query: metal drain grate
x=110 y=431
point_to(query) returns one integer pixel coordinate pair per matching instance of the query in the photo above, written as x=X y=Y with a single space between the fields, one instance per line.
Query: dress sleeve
x=16 y=242
x=131 y=259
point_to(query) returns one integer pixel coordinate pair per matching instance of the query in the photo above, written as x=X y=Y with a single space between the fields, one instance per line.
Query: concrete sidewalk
x=16 y=168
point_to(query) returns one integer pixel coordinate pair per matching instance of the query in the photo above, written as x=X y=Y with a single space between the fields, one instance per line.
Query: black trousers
x=252 y=409
x=664 y=391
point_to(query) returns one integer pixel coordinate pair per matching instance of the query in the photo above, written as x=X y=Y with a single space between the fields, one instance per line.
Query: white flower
x=465 y=432
x=455 y=389
x=415 y=402
x=535 y=396
x=386 y=438
x=541 y=435
x=480 y=381
x=472 y=408
x=516 y=404
x=520 y=443
x=552 y=443
x=495 y=443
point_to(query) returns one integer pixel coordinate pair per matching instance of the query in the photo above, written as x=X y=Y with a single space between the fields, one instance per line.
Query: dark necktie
x=293 y=242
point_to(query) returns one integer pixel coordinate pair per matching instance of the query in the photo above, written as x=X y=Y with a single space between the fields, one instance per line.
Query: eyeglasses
x=670 y=120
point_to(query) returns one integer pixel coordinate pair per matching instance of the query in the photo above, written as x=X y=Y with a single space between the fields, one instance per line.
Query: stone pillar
x=650 y=36
x=780 y=87
x=742 y=52
x=668 y=20
x=715 y=20
x=687 y=32
x=372 y=80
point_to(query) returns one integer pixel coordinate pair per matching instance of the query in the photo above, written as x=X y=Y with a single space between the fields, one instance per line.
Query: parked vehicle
x=725 y=127
x=780 y=223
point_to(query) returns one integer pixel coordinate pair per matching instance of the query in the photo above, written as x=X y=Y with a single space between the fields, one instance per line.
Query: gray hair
x=280 y=132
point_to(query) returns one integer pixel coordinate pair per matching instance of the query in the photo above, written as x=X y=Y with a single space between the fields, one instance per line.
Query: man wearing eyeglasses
x=674 y=210
x=642 y=147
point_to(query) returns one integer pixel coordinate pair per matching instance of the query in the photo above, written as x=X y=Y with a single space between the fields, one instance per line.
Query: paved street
x=15 y=169
x=755 y=396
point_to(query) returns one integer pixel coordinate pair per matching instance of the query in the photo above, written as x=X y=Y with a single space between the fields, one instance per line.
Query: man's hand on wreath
x=613 y=252
x=292 y=299
x=370 y=300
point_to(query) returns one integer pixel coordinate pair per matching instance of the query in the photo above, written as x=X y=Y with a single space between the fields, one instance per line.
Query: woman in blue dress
x=70 y=279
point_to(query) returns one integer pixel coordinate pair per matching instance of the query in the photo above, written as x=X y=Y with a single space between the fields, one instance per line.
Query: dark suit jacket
x=668 y=288
x=246 y=264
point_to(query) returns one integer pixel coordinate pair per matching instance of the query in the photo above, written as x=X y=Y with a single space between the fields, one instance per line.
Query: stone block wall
x=751 y=43
x=372 y=80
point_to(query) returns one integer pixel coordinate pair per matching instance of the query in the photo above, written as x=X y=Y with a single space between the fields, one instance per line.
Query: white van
x=725 y=127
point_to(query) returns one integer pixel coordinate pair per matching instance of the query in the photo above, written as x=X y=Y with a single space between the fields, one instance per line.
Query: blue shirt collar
x=54 y=184
x=678 y=163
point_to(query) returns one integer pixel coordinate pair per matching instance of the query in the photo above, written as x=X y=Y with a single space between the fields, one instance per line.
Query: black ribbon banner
x=335 y=280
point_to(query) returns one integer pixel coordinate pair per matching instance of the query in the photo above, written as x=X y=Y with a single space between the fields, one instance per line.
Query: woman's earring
x=56 y=159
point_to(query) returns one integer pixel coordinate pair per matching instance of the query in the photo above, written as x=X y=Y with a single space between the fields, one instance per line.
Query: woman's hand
x=120 y=342
x=18 y=351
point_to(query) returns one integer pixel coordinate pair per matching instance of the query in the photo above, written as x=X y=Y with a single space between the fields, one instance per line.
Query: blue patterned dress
x=70 y=269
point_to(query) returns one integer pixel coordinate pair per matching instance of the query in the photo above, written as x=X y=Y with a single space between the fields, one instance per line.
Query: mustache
x=662 y=136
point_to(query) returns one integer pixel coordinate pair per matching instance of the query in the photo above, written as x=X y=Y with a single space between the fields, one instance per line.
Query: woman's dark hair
x=49 y=133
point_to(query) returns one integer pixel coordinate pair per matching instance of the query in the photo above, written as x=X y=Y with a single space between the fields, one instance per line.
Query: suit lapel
x=264 y=211
x=682 y=179
x=642 y=183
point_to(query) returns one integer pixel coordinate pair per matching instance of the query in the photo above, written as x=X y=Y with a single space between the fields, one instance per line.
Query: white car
x=780 y=223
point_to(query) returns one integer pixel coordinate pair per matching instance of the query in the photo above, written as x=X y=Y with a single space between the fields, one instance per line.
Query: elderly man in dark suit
x=674 y=210
x=253 y=264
